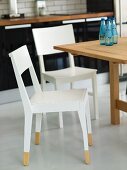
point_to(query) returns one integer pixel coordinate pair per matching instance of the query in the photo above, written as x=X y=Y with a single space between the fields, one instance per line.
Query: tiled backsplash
x=53 y=6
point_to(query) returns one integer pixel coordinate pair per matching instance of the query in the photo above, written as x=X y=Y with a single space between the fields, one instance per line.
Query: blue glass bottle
x=114 y=31
x=108 y=34
x=102 y=32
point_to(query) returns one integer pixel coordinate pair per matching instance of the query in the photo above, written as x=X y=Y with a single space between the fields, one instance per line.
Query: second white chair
x=45 y=39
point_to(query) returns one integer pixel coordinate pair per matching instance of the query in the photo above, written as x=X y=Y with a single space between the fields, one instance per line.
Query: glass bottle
x=114 y=31
x=102 y=32
x=108 y=34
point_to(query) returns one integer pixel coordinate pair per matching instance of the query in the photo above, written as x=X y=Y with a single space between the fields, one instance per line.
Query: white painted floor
x=62 y=149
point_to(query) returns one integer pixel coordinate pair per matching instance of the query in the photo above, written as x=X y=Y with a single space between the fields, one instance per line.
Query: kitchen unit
x=99 y=5
x=17 y=32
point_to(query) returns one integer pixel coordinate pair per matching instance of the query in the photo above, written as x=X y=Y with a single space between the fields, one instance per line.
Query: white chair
x=48 y=101
x=45 y=39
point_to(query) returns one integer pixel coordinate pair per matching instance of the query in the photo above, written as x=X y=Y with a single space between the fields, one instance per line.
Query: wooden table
x=116 y=54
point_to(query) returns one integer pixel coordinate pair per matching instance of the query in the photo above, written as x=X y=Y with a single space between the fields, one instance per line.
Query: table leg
x=114 y=92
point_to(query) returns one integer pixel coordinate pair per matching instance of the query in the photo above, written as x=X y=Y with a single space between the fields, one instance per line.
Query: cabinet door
x=11 y=40
x=100 y=5
x=3 y=63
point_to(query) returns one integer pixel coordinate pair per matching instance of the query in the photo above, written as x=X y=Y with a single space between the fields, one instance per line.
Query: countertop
x=50 y=18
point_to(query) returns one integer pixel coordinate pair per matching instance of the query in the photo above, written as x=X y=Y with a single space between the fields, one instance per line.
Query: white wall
x=53 y=6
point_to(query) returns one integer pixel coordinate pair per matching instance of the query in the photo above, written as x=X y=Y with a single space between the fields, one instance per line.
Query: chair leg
x=90 y=140
x=61 y=120
x=82 y=119
x=43 y=83
x=60 y=113
x=95 y=96
x=37 y=138
x=88 y=121
x=38 y=128
x=87 y=156
x=26 y=157
x=27 y=138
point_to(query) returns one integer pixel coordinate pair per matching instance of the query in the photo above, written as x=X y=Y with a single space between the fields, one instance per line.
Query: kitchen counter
x=50 y=18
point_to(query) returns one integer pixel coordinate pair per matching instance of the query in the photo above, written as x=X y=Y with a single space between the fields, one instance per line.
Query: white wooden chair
x=45 y=39
x=48 y=101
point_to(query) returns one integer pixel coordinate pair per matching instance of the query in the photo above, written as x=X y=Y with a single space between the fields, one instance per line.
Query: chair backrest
x=46 y=38
x=21 y=61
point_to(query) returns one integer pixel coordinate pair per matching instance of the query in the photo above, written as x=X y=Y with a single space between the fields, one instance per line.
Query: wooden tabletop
x=116 y=53
x=50 y=18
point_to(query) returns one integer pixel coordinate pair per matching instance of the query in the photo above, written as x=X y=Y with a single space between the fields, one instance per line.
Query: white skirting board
x=13 y=95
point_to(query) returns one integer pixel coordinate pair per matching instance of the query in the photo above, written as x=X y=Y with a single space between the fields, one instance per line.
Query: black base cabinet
x=12 y=39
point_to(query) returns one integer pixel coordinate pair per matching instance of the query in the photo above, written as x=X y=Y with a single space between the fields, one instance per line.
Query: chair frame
x=44 y=46
x=21 y=61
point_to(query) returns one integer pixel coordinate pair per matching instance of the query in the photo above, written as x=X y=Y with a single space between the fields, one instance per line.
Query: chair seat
x=68 y=100
x=69 y=74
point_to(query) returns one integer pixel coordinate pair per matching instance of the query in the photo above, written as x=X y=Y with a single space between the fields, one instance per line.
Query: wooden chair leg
x=90 y=141
x=26 y=158
x=87 y=156
x=37 y=138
